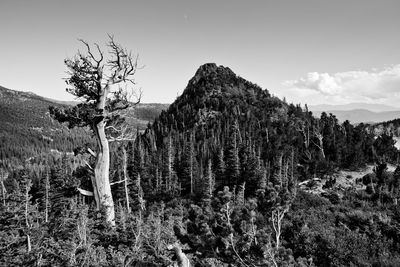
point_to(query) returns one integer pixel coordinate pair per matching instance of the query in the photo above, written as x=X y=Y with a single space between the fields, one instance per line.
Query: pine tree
x=396 y=184
x=188 y=166
x=232 y=160
x=220 y=169
x=209 y=183
x=240 y=197
x=171 y=183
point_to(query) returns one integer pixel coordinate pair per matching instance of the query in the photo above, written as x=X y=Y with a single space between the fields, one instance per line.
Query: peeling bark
x=102 y=187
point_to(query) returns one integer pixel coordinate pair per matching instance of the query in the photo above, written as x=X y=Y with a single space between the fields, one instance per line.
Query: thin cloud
x=381 y=86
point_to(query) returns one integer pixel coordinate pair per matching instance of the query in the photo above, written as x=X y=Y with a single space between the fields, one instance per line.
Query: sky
x=309 y=51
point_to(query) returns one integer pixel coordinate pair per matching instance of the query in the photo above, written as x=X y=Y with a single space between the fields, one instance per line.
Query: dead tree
x=283 y=191
x=28 y=224
x=105 y=89
x=3 y=176
x=182 y=259
x=304 y=128
x=46 y=203
x=317 y=132
x=125 y=171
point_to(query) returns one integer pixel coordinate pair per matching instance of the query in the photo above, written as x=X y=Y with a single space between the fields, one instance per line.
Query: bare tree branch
x=91 y=152
x=98 y=61
x=118 y=182
x=123 y=64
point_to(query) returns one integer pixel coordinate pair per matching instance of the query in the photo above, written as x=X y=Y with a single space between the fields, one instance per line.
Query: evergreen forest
x=227 y=175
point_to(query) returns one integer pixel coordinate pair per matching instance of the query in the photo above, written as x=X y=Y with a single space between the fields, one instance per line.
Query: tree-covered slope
x=26 y=129
x=215 y=100
x=217 y=176
x=230 y=156
x=243 y=132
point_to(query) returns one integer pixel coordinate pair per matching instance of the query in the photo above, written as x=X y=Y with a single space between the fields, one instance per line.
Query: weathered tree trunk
x=182 y=259
x=125 y=170
x=3 y=192
x=27 y=224
x=46 y=210
x=102 y=168
x=28 y=243
x=277 y=217
x=101 y=175
x=321 y=144
x=3 y=177
x=102 y=85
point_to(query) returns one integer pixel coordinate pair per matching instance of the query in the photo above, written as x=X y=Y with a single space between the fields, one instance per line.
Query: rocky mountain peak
x=211 y=79
x=211 y=72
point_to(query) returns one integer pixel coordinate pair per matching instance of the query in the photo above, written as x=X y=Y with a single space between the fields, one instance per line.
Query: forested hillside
x=27 y=132
x=225 y=120
x=215 y=180
x=390 y=127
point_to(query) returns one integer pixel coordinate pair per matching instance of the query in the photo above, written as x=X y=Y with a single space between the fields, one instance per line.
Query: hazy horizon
x=314 y=52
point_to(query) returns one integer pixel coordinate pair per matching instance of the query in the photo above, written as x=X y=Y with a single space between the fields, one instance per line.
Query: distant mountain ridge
x=354 y=106
x=27 y=130
x=358 y=112
x=362 y=115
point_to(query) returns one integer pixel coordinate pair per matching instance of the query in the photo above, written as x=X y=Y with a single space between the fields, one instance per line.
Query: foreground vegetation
x=49 y=224
x=215 y=176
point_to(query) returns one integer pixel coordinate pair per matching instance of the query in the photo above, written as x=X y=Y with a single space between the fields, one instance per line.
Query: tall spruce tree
x=232 y=159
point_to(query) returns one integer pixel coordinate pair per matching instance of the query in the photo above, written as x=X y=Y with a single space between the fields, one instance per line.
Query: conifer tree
x=220 y=168
x=382 y=178
x=209 y=182
x=188 y=165
x=240 y=197
x=169 y=174
x=232 y=160
x=396 y=184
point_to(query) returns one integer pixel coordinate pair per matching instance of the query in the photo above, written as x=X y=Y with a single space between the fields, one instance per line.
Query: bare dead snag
x=46 y=215
x=277 y=217
x=182 y=259
x=103 y=86
x=3 y=176
x=317 y=133
x=125 y=170
x=27 y=223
